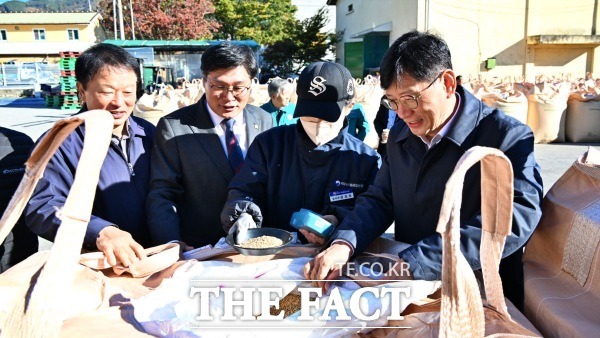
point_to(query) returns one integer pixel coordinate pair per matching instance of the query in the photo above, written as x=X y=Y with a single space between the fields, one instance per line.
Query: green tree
x=306 y=44
x=264 y=21
x=164 y=19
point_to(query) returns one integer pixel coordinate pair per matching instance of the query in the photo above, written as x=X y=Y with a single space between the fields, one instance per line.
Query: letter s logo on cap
x=317 y=86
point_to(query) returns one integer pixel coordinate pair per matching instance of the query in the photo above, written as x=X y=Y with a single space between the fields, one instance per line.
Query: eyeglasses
x=408 y=101
x=237 y=91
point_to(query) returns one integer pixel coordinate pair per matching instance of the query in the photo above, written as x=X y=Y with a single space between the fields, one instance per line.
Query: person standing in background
x=279 y=105
x=358 y=126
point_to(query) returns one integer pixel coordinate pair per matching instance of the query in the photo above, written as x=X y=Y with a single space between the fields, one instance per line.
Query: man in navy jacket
x=440 y=122
x=315 y=164
x=108 y=78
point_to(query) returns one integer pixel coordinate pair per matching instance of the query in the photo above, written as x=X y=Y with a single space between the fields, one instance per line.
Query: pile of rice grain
x=262 y=242
x=290 y=304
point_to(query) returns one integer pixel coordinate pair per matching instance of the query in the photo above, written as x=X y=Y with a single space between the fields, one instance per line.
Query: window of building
x=350 y=8
x=39 y=34
x=3 y=36
x=73 y=34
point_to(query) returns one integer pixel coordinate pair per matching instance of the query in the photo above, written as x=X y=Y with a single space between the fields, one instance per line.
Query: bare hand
x=316 y=239
x=327 y=265
x=118 y=246
x=313 y=238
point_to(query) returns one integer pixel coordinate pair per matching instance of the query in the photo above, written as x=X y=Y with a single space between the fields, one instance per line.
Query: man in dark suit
x=199 y=148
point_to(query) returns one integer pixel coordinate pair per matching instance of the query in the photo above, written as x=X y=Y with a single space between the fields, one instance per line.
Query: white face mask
x=323 y=131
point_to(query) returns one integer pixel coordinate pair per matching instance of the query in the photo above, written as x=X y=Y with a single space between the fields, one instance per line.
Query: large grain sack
x=517 y=108
x=152 y=107
x=512 y=105
x=582 y=121
x=562 y=259
x=547 y=107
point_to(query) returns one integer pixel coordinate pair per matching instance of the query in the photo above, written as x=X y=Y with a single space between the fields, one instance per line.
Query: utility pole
x=115 y=18
x=132 y=21
x=122 y=32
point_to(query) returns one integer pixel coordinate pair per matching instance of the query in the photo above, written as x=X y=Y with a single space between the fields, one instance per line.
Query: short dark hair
x=228 y=55
x=103 y=55
x=422 y=55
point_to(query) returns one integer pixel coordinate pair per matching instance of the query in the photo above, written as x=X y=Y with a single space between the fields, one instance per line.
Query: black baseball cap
x=323 y=89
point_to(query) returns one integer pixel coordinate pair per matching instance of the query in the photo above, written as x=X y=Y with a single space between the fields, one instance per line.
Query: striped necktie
x=234 y=152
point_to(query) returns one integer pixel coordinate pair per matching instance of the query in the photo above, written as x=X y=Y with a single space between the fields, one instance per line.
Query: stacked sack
x=162 y=102
x=583 y=112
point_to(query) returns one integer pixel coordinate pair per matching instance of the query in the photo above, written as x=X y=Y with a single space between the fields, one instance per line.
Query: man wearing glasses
x=198 y=149
x=440 y=122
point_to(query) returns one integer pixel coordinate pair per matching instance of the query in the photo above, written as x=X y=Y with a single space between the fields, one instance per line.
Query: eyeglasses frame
x=393 y=105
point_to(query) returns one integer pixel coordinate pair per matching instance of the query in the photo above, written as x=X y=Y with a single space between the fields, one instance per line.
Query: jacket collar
x=134 y=128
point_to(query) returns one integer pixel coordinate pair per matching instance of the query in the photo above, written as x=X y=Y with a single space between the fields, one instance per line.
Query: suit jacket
x=190 y=174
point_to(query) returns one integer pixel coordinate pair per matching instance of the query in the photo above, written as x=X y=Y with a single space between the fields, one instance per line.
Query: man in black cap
x=315 y=164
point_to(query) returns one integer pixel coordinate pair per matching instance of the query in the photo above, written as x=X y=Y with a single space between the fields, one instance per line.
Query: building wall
x=476 y=30
x=368 y=14
x=24 y=33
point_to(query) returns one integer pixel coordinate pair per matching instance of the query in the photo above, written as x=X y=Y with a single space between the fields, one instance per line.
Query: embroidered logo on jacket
x=317 y=86
x=346 y=184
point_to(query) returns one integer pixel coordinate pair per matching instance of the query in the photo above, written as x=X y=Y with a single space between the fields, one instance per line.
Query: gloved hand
x=241 y=226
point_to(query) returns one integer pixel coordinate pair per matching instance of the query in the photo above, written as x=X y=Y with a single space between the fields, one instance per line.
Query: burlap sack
x=152 y=107
x=547 y=112
x=37 y=307
x=461 y=312
x=562 y=258
x=582 y=121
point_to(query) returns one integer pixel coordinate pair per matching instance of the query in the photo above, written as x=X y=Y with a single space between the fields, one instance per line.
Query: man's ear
x=80 y=91
x=449 y=80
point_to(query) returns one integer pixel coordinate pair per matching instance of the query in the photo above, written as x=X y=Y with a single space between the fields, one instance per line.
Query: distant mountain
x=48 y=6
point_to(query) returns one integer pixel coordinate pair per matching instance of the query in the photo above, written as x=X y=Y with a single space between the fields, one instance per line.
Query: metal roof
x=178 y=45
x=47 y=18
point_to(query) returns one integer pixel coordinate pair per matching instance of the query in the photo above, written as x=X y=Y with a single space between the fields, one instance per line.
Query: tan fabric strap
x=39 y=317
x=461 y=310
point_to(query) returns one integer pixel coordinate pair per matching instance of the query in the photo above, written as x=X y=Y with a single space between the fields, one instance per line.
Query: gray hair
x=277 y=85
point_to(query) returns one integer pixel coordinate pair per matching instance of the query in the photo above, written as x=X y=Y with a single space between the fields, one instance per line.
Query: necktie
x=234 y=152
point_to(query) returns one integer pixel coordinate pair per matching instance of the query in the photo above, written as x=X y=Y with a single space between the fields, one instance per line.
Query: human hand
x=312 y=238
x=118 y=246
x=327 y=265
x=316 y=239
x=241 y=226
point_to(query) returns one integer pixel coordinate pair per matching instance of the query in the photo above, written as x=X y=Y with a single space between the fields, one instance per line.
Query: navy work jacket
x=121 y=193
x=409 y=188
x=285 y=171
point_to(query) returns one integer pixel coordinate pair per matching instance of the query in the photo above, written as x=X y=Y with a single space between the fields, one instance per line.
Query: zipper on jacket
x=117 y=144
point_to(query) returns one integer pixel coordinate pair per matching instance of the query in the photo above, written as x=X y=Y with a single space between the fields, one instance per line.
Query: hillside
x=49 y=6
